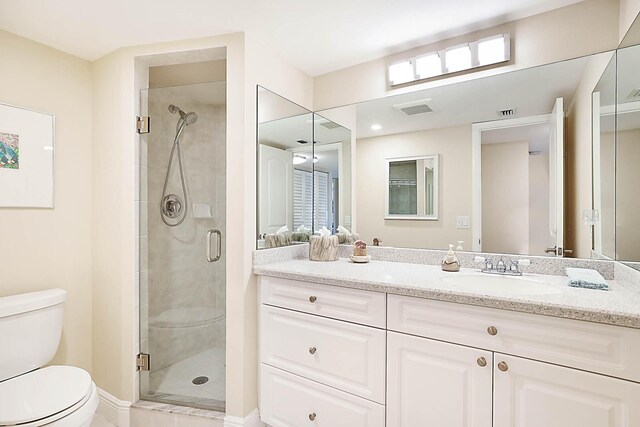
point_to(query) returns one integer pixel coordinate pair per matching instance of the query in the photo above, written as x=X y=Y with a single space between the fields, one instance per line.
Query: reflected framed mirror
x=412 y=188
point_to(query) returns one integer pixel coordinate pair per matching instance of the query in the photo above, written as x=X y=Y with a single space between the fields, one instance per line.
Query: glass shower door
x=182 y=256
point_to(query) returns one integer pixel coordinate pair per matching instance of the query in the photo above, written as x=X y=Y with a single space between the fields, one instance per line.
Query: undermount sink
x=509 y=284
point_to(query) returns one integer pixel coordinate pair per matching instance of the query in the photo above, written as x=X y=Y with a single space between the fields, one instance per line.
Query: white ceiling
x=531 y=91
x=318 y=37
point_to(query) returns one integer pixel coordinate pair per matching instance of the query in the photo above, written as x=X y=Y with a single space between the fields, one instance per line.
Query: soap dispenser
x=450 y=261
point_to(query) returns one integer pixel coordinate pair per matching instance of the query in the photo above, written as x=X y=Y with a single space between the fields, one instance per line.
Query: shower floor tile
x=174 y=383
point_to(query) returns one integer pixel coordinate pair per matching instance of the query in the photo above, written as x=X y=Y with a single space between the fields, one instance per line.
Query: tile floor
x=100 y=421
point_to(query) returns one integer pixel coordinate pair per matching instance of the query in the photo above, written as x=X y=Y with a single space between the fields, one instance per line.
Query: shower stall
x=182 y=259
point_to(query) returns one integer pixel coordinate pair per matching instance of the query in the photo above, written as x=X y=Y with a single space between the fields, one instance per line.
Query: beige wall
x=539 y=204
x=505 y=197
x=581 y=29
x=49 y=248
x=578 y=176
x=454 y=147
x=629 y=10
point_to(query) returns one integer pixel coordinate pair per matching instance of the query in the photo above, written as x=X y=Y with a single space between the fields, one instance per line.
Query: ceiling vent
x=330 y=125
x=634 y=94
x=508 y=112
x=422 y=106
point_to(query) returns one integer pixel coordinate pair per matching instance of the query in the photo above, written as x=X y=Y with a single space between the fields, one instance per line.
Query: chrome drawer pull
x=312 y=299
x=312 y=350
x=482 y=362
x=312 y=416
x=492 y=330
x=503 y=366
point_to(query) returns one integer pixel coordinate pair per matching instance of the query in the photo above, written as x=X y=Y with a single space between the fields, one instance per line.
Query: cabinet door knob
x=492 y=330
x=312 y=299
x=503 y=366
x=312 y=416
x=482 y=361
x=312 y=350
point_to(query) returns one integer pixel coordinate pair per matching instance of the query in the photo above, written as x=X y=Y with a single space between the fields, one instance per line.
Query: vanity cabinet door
x=436 y=384
x=536 y=394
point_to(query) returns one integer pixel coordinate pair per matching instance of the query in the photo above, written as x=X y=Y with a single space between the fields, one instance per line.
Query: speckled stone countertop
x=619 y=306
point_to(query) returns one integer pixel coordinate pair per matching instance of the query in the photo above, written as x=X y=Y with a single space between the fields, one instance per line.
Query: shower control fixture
x=171 y=205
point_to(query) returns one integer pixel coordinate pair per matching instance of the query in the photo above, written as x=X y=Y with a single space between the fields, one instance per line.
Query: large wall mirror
x=616 y=148
x=304 y=172
x=480 y=162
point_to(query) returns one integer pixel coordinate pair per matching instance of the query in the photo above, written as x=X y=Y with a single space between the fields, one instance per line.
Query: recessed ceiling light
x=376 y=127
x=299 y=159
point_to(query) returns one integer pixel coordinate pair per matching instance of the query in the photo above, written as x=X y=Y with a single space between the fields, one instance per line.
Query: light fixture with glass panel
x=480 y=53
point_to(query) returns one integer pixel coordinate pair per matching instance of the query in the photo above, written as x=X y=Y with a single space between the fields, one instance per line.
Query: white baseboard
x=251 y=420
x=116 y=411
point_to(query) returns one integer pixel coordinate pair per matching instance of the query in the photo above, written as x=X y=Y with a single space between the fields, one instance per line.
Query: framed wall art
x=26 y=158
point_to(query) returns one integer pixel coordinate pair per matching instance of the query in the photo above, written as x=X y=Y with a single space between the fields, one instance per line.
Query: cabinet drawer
x=344 y=355
x=593 y=347
x=352 y=305
x=287 y=400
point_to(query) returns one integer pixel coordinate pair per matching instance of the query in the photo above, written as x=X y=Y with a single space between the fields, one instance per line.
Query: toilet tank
x=30 y=330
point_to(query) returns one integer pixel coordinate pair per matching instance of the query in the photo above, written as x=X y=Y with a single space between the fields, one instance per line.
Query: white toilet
x=30 y=395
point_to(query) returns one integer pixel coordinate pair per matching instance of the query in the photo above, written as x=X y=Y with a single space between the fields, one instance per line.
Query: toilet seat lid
x=42 y=393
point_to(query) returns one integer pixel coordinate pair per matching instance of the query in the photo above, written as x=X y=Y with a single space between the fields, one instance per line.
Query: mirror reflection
x=304 y=173
x=627 y=156
x=480 y=131
x=285 y=168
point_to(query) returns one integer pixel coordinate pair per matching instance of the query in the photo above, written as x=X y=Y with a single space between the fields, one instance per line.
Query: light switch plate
x=462 y=222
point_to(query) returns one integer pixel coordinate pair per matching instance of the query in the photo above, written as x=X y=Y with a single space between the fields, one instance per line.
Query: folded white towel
x=586 y=278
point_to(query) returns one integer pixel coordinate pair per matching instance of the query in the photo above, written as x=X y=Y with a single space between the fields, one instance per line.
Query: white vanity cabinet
x=433 y=383
x=339 y=357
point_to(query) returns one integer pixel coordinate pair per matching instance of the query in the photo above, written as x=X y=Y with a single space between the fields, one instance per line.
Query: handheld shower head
x=189 y=118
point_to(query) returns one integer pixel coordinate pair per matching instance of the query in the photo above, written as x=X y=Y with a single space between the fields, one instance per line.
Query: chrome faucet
x=502 y=266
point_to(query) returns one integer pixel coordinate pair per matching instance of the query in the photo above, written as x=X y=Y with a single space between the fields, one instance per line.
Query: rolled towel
x=586 y=278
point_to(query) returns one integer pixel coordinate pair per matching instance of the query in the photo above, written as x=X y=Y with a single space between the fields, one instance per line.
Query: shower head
x=189 y=118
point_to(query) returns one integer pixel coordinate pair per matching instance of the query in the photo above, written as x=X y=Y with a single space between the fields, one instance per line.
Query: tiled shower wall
x=185 y=295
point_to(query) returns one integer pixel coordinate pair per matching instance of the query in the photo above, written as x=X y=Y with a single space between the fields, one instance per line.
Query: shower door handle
x=218 y=246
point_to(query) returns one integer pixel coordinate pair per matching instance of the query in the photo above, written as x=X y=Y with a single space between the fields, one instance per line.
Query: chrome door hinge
x=142 y=124
x=142 y=362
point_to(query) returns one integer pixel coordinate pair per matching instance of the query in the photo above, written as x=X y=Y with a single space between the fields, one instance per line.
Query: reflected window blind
x=302 y=198
x=321 y=184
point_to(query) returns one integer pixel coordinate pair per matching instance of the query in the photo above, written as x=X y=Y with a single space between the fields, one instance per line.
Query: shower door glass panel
x=182 y=245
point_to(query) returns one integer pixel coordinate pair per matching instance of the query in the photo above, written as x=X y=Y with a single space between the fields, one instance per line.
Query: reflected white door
x=276 y=189
x=556 y=179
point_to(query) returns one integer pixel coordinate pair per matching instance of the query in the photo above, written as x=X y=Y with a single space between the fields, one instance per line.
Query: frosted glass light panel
x=458 y=59
x=493 y=50
x=412 y=188
x=401 y=72
x=428 y=66
x=26 y=158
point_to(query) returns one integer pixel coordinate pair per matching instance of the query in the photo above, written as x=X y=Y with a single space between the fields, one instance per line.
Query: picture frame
x=27 y=149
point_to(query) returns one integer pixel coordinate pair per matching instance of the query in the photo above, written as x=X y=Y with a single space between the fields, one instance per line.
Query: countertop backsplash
x=539 y=264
